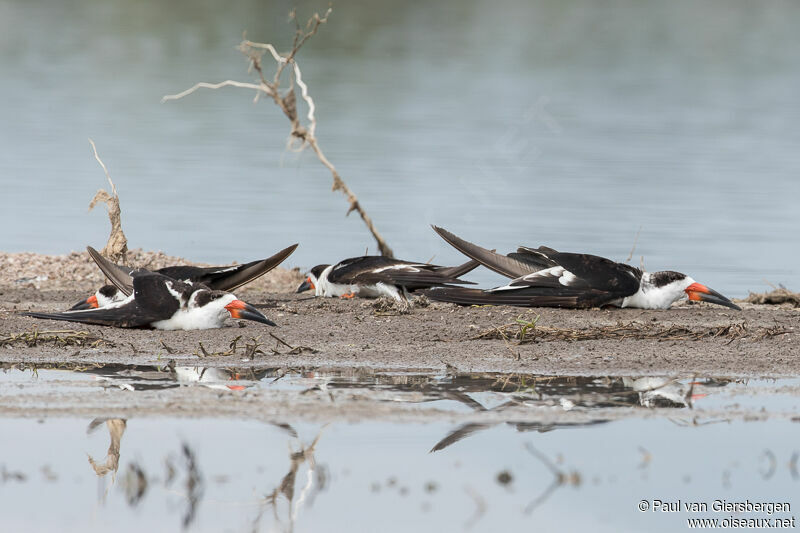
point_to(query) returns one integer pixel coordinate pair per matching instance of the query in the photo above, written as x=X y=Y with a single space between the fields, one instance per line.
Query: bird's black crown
x=665 y=277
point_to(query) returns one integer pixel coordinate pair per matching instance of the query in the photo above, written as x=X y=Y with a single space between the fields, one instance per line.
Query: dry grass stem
x=286 y=100
x=633 y=248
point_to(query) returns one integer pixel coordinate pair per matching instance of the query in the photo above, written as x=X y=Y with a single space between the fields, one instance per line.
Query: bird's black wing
x=119 y=275
x=155 y=297
x=159 y=296
x=582 y=271
x=511 y=266
x=460 y=270
x=522 y=297
x=373 y=269
x=232 y=277
x=126 y=316
x=414 y=277
x=353 y=269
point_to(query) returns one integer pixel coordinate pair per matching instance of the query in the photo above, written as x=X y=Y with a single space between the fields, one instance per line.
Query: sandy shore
x=761 y=340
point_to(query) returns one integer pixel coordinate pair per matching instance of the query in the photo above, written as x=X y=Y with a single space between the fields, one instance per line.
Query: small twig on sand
x=117 y=246
x=293 y=349
x=286 y=100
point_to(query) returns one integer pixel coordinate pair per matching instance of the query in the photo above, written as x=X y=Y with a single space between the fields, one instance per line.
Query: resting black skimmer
x=371 y=276
x=160 y=302
x=223 y=278
x=543 y=277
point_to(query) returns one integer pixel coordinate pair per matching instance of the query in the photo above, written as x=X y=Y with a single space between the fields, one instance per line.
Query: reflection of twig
x=646 y=457
x=559 y=478
x=793 y=466
x=287 y=484
x=694 y=422
x=480 y=507
x=194 y=485
x=134 y=482
x=287 y=102
x=116 y=428
x=772 y=464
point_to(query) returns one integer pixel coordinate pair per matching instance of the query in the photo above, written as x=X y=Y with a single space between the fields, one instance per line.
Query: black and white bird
x=223 y=278
x=543 y=277
x=160 y=302
x=371 y=276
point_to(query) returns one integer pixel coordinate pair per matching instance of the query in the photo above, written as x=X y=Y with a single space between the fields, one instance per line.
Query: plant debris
x=66 y=337
x=781 y=295
x=116 y=248
x=525 y=331
x=387 y=306
x=251 y=348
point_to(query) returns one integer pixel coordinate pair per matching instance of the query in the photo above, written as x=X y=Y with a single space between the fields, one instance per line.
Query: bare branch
x=286 y=100
x=312 y=121
x=226 y=83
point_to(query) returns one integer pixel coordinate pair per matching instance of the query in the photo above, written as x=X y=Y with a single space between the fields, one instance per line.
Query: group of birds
x=187 y=297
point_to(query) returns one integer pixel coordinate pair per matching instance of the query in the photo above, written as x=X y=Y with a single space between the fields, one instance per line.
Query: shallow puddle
x=487 y=451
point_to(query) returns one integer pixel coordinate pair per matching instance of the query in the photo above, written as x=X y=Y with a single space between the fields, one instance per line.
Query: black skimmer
x=371 y=276
x=223 y=278
x=543 y=277
x=160 y=302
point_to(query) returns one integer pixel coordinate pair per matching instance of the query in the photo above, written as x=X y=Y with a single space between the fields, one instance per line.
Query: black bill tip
x=244 y=311
x=699 y=292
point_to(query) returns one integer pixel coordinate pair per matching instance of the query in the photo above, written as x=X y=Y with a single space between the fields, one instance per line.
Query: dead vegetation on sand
x=65 y=337
x=526 y=330
x=779 y=296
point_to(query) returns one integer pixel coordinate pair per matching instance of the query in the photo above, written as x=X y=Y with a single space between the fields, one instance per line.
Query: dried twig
x=286 y=100
x=117 y=246
x=293 y=350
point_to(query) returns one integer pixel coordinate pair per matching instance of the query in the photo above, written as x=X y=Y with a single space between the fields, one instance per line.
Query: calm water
x=571 y=124
x=655 y=438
